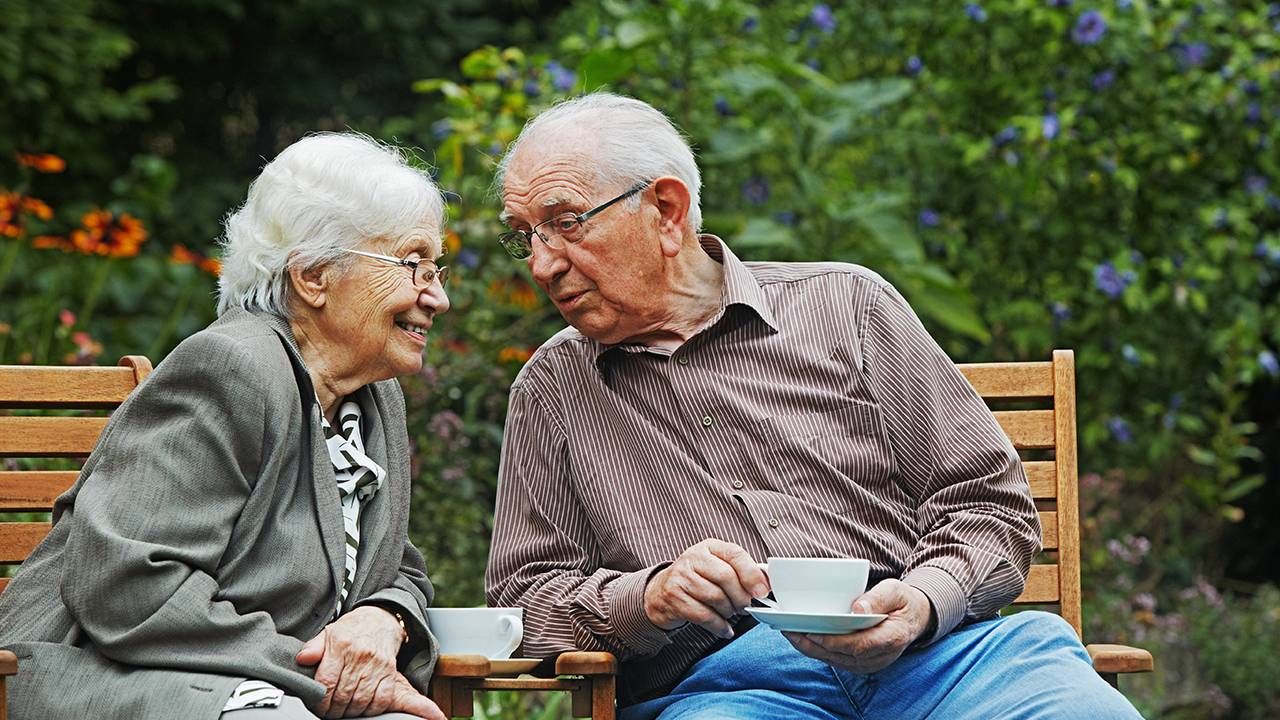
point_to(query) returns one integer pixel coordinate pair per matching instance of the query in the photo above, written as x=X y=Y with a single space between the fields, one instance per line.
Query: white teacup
x=816 y=585
x=491 y=632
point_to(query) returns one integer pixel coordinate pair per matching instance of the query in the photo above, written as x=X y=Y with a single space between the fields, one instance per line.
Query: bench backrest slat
x=1049 y=427
x=68 y=424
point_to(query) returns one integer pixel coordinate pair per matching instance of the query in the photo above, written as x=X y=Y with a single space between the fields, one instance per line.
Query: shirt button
x=706 y=420
x=683 y=361
x=737 y=484
x=773 y=522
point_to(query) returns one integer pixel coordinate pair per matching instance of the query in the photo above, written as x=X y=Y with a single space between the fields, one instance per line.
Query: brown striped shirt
x=814 y=416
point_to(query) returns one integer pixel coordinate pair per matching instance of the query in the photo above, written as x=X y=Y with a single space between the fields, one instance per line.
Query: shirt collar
x=740 y=288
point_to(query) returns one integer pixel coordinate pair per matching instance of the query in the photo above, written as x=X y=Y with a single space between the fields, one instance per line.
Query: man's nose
x=546 y=263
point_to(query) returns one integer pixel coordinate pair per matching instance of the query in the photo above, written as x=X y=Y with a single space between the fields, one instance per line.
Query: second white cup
x=492 y=632
x=817 y=585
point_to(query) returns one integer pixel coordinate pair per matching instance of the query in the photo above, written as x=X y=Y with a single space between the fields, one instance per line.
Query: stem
x=10 y=257
x=171 y=322
x=95 y=291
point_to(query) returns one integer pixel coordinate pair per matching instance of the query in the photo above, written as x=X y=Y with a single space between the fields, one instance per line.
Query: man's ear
x=673 y=210
x=311 y=285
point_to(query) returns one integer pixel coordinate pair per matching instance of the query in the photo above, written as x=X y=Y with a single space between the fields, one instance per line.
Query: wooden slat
x=1049 y=530
x=1120 y=659
x=18 y=539
x=33 y=490
x=525 y=683
x=4 y=583
x=1064 y=403
x=1010 y=380
x=49 y=436
x=32 y=386
x=1042 y=585
x=1043 y=477
x=1027 y=429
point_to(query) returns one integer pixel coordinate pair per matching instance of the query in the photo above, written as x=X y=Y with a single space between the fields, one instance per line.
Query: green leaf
x=602 y=67
x=763 y=233
x=632 y=33
x=730 y=144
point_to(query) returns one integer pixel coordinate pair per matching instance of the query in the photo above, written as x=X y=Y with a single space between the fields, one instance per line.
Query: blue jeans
x=1026 y=665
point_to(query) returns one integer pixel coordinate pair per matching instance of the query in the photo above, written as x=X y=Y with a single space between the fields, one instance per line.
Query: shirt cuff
x=944 y=593
x=626 y=612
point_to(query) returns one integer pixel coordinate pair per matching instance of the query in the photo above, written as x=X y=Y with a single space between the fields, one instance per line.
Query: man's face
x=609 y=284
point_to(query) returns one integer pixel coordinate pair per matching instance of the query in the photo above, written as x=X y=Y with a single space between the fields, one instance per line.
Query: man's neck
x=695 y=292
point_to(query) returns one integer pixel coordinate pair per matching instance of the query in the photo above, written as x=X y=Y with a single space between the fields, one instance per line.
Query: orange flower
x=51 y=242
x=183 y=255
x=514 y=354
x=13 y=206
x=42 y=162
x=452 y=243
x=103 y=234
x=213 y=266
x=516 y=291
x=37 y=207
x=66 y=317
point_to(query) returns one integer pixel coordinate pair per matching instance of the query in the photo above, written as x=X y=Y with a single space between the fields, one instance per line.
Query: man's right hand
x=709 y=583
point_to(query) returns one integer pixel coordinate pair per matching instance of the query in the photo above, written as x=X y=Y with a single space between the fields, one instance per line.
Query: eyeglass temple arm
x=635 y=189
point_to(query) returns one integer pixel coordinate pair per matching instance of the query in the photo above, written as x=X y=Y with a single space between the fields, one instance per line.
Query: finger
x=409 y=700
x=729 y=593
x=311 y=652
x=705 y=591
x=354 y=675
x=749 y=575
x=383 y=695
x=807 y=646
x=886 y=597
x=699 y=613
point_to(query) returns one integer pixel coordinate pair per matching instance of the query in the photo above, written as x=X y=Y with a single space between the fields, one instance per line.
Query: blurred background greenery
x=1033 y=174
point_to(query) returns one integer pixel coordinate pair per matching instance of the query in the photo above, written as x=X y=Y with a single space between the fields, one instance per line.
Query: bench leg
x=602 y=697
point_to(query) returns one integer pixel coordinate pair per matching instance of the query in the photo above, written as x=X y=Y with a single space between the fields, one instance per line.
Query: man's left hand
x=866 y=651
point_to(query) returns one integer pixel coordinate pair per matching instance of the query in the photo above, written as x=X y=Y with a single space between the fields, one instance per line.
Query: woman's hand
x=357 y=663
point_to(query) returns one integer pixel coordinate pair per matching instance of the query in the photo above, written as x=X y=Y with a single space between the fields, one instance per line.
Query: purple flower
x=1011 y=157
x=928 y=218
x=1120 y=430
x=1089 y=29
x=1255 y=184
x=723 y=109
x=1103 y=80
x=914 y=66
x=785 y=217
x=1130 y=354
x=1050 y=126
x=1109 y=281
x=750 y=24
x=822 y=18
x=1061 y=312
x=1058 y=3
x=1253 y=113
x=1220 y=219
x=441 y=129
x=1261 y=251
x=562 y=78
x=975 y=12
x=1252 y=88
x=494 y=149
x=468 y=258
x=531 y=89
x=756 y=190
x=1007 y=135
x=1192 y=54
x=1268 y=362
x=1124 y=4
x=813 y=63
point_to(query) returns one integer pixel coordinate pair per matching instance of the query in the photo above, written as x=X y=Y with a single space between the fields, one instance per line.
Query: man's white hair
x=323 y=193
x=629 y=141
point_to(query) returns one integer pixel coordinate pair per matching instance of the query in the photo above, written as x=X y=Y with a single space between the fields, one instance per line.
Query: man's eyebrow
x=554 y=201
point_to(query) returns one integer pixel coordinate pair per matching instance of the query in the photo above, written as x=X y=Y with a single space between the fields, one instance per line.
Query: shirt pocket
x=830 y=458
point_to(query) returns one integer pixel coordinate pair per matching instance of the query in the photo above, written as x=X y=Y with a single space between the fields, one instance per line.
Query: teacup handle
x=515 y=627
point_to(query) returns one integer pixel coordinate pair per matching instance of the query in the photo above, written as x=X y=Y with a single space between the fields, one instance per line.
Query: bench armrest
x=462 y=666
x=8 y=663
x=586 y=663
x=1120 y=659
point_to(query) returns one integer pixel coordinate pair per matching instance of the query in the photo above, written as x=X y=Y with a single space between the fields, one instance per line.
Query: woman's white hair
x=632 y=142
x=324 y=193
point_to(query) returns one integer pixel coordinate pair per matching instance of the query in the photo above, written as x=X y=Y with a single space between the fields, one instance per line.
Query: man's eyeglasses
x=424 y=273
x=555 y=232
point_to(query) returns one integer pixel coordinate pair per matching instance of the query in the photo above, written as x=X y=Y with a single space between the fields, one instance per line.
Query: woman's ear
x=311 y=285
x=673 y=210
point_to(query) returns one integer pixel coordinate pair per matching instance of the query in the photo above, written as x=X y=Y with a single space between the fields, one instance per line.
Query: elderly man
x=702 y=414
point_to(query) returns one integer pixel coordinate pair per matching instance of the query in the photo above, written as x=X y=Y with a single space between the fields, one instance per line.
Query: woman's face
x=376 y=316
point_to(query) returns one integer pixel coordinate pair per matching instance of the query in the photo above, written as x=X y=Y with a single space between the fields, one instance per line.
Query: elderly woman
x=236 y=545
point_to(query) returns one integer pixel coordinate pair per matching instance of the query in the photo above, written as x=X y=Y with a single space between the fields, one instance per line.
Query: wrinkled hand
x=866 y=651
x=356 y=656
x=709 y=583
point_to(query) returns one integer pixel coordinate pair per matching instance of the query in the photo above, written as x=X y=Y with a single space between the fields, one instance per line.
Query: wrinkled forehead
x=548 y=172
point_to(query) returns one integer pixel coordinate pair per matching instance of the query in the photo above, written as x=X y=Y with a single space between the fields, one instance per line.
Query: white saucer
x=816 y=623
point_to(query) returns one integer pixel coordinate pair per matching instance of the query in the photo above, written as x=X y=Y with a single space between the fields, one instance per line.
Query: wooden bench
x=1042 y=426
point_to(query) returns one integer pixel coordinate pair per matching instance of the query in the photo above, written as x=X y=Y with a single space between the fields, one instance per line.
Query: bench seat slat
x=49 y=436
x=1043 y=477
x=33 y=490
